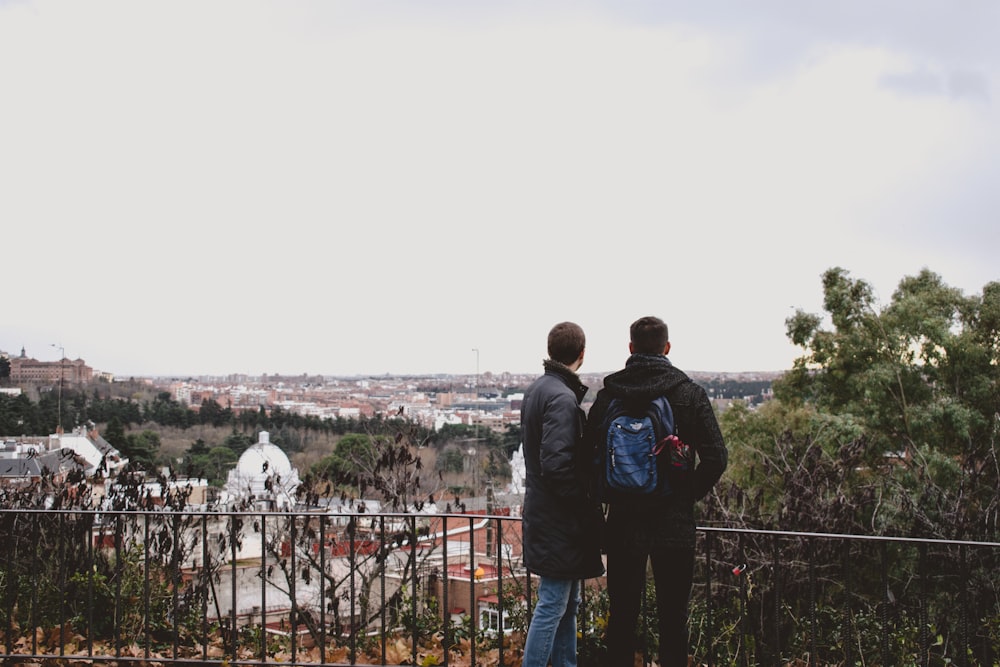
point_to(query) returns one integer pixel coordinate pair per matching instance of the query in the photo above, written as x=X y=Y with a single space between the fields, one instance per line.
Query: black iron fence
x=440 y=589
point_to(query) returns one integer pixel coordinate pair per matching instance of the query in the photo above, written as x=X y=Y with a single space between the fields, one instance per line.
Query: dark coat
x=560 y=521
x=671 y=519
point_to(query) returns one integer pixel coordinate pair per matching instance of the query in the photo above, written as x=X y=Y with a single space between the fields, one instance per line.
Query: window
x=489 y=620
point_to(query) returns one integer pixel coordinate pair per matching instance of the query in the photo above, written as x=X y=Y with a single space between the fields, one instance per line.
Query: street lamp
x=476 y=390
x=62 y=355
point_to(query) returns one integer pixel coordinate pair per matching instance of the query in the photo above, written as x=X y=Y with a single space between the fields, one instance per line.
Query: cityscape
x=486 y=400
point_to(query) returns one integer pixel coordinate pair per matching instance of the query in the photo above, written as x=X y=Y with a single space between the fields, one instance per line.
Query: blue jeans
x=552 y=632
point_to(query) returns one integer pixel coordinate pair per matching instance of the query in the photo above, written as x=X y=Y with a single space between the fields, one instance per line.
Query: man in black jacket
x=560 y=522
x=662 y=528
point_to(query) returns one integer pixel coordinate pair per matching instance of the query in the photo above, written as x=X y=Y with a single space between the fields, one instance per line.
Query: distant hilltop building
x=263 y=476
x=69 y=371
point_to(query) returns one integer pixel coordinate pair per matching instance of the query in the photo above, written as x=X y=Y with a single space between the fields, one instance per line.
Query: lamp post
x=475 y=416
x=62 y=355
x=476 y=390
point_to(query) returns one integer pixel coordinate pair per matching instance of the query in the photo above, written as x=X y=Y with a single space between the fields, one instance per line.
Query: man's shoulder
x=547 y=386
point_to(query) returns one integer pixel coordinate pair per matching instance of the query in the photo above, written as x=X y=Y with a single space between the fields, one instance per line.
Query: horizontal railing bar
x=849 y=536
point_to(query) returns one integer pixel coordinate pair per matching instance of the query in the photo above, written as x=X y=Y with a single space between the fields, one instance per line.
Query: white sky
x=203 y=187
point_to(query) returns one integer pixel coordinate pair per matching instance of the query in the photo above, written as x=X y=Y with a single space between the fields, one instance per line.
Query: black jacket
x=561 y=523
x=646 y=376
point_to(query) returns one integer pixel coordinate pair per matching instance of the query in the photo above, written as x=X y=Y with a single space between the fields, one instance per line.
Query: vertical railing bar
x=35 y=533
x=745 y=653
x=62 y=585
x=322 y=588
x=384 y=551
x=500 y=594
x=351 y=557
x=294 y=620
x=964 y=596
x=776 y=574
x=710 y=633
x=175 y=576
x=265 y=577
x=34 y=589
x=473 y=616
x=848 y=631
x=116 y=632
x=445 y=613
x=91 y=568
x=813 y=625
x=923 y=576
x=647 y=659
x=10 y=599
x=415 y=585
x=233 y=518
x=885 y=603
x=206 y=575
x=145 y=588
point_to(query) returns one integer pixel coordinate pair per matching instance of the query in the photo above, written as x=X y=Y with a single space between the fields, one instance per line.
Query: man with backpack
x=651 y=512
x=560 y=521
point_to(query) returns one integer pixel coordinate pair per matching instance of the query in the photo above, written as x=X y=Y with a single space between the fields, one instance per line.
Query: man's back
x=661 y=532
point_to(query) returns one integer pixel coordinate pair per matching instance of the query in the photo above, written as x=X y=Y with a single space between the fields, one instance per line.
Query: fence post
x=885 y=604
x=710 y=644
x=848 y=630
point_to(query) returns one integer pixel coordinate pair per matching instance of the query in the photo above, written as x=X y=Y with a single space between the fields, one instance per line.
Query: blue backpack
x=628 y=457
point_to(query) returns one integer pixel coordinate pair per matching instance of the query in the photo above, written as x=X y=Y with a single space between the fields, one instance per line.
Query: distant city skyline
x=470 y=376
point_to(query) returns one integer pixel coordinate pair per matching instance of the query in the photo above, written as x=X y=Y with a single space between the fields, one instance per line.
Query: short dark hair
x=649 y=335
x=566 y=342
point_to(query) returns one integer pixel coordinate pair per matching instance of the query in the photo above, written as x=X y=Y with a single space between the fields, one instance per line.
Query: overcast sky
x=386 y=187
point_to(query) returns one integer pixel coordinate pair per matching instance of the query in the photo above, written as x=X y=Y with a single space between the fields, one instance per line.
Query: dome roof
x=263 y=473
x=264 y=459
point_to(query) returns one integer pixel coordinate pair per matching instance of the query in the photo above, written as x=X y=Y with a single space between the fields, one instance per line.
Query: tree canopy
x=890 y=414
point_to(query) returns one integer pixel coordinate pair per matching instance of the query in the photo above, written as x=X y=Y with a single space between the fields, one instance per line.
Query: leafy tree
x=238 y=442
x=450 y=460
x=198 y=448
x=164 y=410
x=114 y=433
x=19 y=416
x=887 y=424
x=216 y=464
x=353 y=455
x=214 y=414
x=4 y=370
x=920 y=381
x=142 y=449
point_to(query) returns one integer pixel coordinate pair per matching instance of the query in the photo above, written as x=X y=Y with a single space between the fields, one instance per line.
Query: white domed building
x=263 y=475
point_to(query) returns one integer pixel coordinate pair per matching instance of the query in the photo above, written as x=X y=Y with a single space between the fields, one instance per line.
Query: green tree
x=212 y=413
x=114 y=434
x=920 y=380
x=450 y=460
x=19 y=416
x=142 y=448
x=238 y=442
x=216 y=464
x=354 y=453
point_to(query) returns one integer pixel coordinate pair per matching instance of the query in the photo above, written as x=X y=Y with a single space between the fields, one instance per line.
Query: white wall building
x=264 y=476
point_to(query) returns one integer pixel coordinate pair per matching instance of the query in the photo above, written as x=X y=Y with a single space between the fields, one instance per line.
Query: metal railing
x=350 y=588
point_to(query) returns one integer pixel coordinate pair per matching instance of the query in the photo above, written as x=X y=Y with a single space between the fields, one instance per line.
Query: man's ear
x=631 y=348
x=666 y=349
